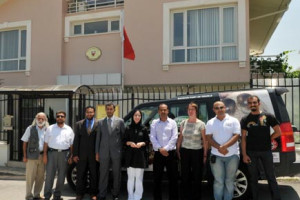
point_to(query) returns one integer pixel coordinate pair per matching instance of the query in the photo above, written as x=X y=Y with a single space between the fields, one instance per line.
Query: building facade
x=80 y=42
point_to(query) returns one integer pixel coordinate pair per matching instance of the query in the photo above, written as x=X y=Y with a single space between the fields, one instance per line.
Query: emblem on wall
x=93 y=53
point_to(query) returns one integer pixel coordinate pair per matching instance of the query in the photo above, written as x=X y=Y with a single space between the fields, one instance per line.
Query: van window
x=149 y=113
x=179 y=112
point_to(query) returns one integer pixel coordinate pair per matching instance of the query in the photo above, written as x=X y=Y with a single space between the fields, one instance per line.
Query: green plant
x=279 y=64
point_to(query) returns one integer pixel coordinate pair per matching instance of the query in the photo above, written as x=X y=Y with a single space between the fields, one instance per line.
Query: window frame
x=74 y=19
x=242 y=27
x=219 y=46
x=20 y=26
x=82 y=24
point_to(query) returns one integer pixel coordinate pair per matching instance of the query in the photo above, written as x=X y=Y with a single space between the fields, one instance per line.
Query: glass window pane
x=178 y=29
x=178 y=112
x=203 y=54
x=203 y=27
x=96 y=27
x=115 y=25
x=9 y=65
x=23 y=43
x=22 y=65
x=178 y=55
x=203 y=115
x=228 y=25
x=9 y=45
x=77 y=29
x=229 y=53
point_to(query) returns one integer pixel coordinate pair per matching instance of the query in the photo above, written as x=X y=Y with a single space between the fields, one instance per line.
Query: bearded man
x=33 y=142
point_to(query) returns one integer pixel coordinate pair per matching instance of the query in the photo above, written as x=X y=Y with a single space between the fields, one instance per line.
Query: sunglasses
x=60 y=116
x=219 y=108
x=252 y=102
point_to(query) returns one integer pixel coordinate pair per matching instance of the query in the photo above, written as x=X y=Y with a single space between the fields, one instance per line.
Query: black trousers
x=191 y=173
x=82 y=167
x=266 y=159
x=170 y=162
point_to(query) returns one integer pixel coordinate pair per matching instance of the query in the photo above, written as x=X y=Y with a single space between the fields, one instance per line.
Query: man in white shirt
x=164 y=135
x=33 y=142
x=58 y=141
x=223 y=132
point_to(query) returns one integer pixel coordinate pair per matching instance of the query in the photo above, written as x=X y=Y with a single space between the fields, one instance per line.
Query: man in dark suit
x=109 y=150
x=84 y=153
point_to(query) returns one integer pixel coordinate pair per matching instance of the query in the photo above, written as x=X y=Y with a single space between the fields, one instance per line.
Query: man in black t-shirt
x=256 y=145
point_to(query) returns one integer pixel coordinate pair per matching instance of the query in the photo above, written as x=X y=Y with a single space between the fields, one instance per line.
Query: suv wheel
x=72 y=176
x=241 y=184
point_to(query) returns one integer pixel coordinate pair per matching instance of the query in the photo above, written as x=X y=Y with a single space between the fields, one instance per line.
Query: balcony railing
x=85 y=5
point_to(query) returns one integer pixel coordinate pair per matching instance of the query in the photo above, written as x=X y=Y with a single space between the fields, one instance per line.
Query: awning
x=46 y=89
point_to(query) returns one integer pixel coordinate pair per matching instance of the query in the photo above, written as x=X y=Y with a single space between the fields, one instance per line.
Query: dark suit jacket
x=110 y=145
x=84 y=143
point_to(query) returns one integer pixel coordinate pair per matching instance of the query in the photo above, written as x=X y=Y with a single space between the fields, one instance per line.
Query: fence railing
x=291 y=99
x=86 y=5
x=129 y=97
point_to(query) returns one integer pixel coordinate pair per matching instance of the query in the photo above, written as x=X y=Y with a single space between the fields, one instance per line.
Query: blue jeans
x=224 y=170
x=266 y=159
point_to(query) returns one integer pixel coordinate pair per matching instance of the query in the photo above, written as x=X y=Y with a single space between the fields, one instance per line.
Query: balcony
x=75 y=6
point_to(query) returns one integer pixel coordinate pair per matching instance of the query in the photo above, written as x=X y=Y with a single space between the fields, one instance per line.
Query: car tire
x=71 y=176
x=241 y=184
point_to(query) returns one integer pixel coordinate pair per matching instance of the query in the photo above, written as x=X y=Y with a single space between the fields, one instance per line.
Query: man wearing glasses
x=256 y=145
x=58 y=141
x=223 y=132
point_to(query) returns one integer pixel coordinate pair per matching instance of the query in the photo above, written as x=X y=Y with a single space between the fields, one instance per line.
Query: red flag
x=128 y=50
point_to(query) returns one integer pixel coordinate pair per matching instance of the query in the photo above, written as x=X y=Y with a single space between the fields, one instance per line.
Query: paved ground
x=12 y=182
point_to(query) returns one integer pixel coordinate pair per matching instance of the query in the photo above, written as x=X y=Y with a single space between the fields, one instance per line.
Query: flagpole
x=122 y=57
x=122 y=38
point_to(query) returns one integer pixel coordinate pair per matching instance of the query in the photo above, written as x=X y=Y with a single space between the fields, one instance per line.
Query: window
x=96 y=27
x=179 y=112
x=149 y=113
x=204 y=35
x=13 y=50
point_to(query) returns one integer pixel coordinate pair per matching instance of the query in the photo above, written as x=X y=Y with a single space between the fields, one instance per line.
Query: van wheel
x=71 y=176
x=241 y=184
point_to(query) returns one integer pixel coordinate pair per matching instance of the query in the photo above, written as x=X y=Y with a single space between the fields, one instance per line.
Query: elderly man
x=58 y=141
x=164 y=135
x=33 y=142
x=223 y=132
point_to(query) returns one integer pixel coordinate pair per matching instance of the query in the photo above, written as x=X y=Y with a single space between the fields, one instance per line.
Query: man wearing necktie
x=84 y=153
x=109 y=144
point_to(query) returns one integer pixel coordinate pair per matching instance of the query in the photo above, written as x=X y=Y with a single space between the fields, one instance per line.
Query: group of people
x=98 y=146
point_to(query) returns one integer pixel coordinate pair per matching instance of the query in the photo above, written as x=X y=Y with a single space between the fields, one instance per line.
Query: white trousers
x=135 y=183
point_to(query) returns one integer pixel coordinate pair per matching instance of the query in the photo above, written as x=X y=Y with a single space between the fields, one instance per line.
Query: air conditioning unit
x=81 y=6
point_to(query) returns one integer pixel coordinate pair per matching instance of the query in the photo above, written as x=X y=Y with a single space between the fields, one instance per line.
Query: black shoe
x=115 y=198
x=57 y=198
x=78 y=197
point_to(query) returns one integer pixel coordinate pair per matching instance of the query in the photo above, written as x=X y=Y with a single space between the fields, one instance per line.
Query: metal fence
x=24 y=109
x=291 y=99
x=75 y=6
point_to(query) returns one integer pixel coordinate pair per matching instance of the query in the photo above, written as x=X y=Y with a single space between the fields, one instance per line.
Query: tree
x=280 y=64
